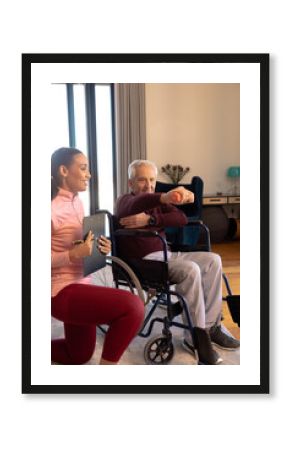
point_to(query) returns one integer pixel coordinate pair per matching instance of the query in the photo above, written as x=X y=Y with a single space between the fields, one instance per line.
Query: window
x=59 y=133
x=84 y=120
x=104 y=146
x=80 y=131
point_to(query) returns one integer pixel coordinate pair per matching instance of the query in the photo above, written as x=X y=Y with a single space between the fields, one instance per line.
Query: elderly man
x=197 y=275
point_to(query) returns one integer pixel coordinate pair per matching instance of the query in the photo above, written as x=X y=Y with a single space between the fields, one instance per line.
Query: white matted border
x=42 y=77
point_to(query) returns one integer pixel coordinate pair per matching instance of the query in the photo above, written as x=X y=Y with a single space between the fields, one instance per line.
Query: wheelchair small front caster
x=159 y=350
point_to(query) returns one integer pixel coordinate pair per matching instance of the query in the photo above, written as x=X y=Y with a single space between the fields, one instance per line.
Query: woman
x=79 y=304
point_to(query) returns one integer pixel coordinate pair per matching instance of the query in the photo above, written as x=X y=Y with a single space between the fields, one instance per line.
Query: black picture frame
x=239 y=58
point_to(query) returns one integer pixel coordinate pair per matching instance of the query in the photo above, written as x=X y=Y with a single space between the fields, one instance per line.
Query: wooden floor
x=230 y=254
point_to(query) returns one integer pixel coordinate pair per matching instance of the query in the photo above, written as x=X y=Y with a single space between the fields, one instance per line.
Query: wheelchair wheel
x=158 y=350
x=129 y=276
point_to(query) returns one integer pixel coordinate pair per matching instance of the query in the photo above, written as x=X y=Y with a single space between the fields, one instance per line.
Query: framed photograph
x=204 y=116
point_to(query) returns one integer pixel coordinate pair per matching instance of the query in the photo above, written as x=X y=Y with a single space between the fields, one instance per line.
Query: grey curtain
x=130 y=129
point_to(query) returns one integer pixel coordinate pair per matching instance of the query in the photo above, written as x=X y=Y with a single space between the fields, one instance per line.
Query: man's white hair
x=137 y=163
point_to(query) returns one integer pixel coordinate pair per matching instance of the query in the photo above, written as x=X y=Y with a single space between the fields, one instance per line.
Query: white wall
x=195 y=125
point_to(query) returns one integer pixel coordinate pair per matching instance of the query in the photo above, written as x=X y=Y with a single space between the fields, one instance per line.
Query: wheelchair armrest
x=194 y=221
x=200 y=224
x=136 y=232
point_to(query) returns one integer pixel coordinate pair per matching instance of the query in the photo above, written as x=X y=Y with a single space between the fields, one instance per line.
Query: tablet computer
x=96 y=260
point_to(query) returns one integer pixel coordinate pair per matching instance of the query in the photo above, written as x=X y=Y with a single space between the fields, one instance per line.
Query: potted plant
x=175 y=172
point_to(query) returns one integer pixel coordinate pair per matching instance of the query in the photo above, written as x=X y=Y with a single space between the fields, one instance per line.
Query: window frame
x=91 y=130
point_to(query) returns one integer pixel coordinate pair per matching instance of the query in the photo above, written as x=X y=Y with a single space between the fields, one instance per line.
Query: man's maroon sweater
x=164 y=215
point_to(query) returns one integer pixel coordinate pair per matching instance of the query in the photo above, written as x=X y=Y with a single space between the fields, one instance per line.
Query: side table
x=221 y=213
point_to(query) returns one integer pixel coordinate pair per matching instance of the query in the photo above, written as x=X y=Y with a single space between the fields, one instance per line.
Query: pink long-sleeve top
x=66 y=226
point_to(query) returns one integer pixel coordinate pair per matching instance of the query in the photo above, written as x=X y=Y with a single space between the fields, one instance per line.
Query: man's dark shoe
x=222 y=339
x=206 y=354
x=190 y=348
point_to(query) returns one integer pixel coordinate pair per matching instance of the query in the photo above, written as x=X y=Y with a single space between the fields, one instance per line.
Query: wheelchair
x=154 y=280
x=151 y=277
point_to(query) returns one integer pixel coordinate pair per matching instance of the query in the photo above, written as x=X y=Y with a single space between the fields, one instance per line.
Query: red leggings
x=82 y=307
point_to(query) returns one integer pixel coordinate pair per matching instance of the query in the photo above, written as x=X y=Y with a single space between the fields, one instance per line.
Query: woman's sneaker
x=222 y=339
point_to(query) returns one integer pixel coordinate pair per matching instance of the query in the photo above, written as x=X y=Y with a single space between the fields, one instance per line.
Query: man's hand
x=136 y=221
x=177 y=196
x=104 y=245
